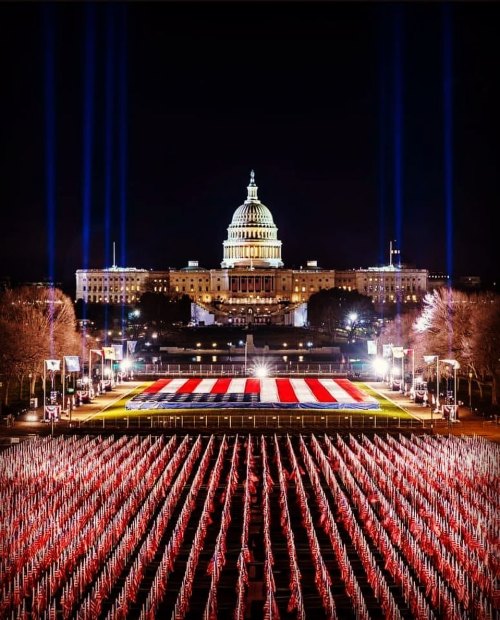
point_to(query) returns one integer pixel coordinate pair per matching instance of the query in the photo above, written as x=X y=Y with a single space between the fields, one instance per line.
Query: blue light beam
x=88 y=130
x=398 y=126
x=50 y=167
x=448 y=133
x=108 y=130
x=123 y=137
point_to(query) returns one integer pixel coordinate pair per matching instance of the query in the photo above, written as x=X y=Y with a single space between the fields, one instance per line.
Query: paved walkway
x=468 y=423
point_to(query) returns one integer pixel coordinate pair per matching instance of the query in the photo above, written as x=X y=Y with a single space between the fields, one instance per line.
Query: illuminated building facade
x=385 y=285
x=252 y=285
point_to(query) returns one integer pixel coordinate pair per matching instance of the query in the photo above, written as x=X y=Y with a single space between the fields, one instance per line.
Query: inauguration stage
x=253 y=393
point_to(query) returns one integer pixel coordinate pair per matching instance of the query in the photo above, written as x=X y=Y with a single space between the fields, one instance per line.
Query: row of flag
x=396 y=352
x=72 y=362
x=388 y=350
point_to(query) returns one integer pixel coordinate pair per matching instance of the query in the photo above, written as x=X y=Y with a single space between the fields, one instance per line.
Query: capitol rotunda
x=252 y=235
x=252 y=286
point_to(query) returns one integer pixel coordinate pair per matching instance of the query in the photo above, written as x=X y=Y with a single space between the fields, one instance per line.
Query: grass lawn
x=118 y=410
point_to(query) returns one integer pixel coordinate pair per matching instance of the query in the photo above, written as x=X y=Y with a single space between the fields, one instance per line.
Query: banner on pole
x=131 y=346
x=372 y=347
x=397 y=352
x=72 y=363
x=118 y=352
x=109 y=353
x=53 y=364
x=386 y=350
x=52 y=412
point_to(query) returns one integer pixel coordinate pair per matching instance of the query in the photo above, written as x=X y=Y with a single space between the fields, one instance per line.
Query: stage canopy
x=254 y=393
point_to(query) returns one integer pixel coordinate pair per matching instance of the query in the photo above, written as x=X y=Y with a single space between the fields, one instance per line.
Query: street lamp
x=455 y=365
x=380 y=367
x=412 y=351
x=470 y=390
x=428 y=359
x=101 y=355
x=352 y=318
x=398 y=353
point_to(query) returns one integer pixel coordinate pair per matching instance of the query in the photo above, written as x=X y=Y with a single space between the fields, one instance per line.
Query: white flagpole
x=44 y=387
x=63 y=381
x=413 y=371
x=52 y=411
x=90 y=373
x=437 y=381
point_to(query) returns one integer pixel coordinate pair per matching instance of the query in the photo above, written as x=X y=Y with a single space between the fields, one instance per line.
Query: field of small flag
x=267 y=526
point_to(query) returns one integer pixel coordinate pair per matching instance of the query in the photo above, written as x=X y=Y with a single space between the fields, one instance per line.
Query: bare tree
x=465 y=327
x=36 y=324
x=485 y=341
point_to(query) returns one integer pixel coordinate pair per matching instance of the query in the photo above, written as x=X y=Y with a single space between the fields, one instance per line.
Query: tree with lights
x=36 y=323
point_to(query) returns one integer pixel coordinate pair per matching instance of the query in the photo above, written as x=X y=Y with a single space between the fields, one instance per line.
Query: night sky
x=364 y=122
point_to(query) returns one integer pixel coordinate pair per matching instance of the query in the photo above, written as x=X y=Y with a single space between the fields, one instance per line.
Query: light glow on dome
x=252 y=239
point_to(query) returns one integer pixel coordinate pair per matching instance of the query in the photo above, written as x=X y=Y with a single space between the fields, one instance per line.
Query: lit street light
x=455 y=365
x=380 y=367
x=351 y=321
x=470 y=390
x=428 y=359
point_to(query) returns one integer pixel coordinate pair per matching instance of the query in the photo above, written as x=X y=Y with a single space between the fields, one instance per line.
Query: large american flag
x=242 y=392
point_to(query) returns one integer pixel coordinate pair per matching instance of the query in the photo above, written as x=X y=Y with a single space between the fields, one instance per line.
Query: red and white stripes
x=98 y=527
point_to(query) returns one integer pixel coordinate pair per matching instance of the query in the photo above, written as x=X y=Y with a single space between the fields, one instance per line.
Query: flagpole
x=71 y=403
x=90 y=374
x=52 y=413
x=413 y=371
x=63 y=382
x=44 y=387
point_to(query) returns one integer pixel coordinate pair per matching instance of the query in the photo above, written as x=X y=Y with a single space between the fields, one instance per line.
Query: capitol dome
x=252 y=235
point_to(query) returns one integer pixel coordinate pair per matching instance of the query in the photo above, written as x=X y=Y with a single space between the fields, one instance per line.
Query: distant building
x=385 y=285
x=469 y=282
x=117 y=285
x=252 y=286
x=438 y=280
x=441 y=280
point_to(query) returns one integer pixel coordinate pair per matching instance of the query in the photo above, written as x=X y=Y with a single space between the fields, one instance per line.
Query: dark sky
x=304 y=93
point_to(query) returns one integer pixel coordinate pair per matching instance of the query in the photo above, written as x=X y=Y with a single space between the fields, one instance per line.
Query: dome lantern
x=252 y=189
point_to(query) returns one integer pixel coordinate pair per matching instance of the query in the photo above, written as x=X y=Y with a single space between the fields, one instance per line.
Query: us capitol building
x=252 y=285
